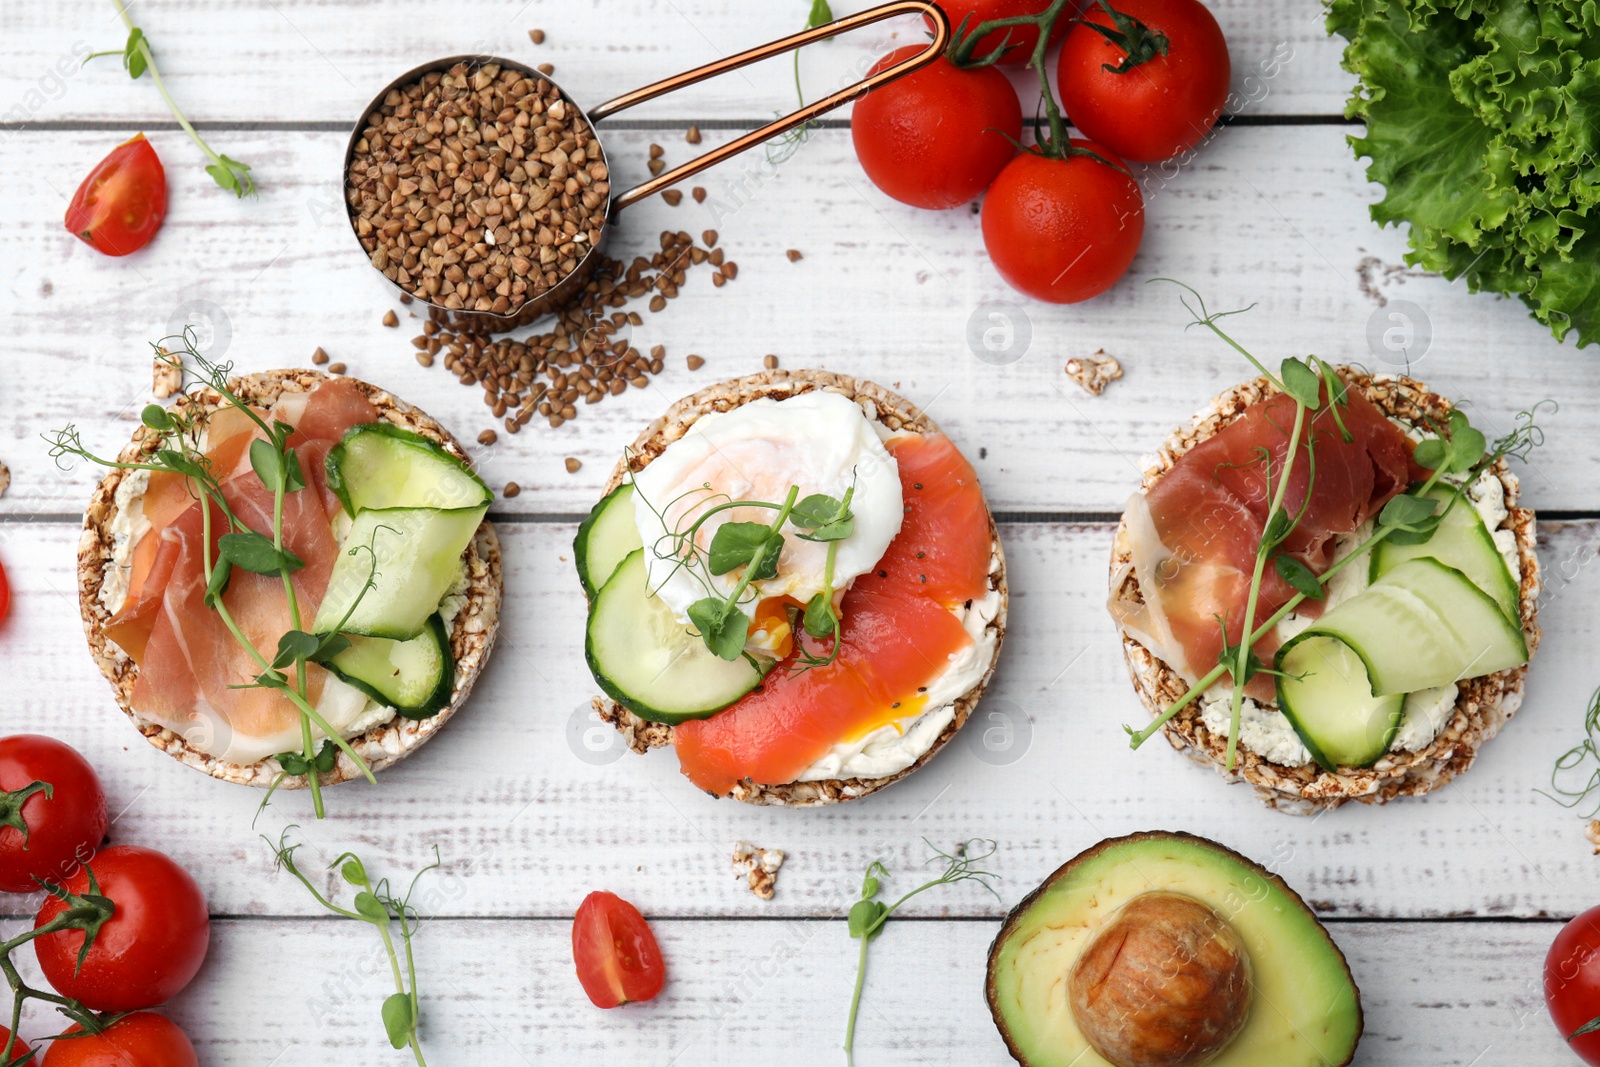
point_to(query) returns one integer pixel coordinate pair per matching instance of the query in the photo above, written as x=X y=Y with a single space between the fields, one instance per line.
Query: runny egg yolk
x=897 y=714
x=814 y=444
x=770 y=629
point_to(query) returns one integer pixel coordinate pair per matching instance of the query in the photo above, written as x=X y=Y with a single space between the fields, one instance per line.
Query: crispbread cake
x=897 y=414
x=1482 y=706
x=472 y=632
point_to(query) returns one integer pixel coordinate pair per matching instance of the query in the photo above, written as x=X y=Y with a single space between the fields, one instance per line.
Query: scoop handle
x=935 y=48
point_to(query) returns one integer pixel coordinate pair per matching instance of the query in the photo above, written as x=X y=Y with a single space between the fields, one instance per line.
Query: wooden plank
x=1446 y=994
x=302 y=60
x=530 y=802
x=1271 y=215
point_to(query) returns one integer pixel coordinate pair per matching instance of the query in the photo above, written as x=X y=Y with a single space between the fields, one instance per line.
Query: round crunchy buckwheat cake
x=1482 y=704
x=892 y=411
x=102 y=551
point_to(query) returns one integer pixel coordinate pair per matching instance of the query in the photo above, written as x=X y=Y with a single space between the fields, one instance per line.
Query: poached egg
x=820 y=442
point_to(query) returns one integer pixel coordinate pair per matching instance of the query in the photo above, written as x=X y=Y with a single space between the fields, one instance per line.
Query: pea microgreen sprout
x=869 y=914
x=1586 y=751
x=278 y=468
x=137 y=58
x=1458 y=449
x=88 y=913
x=720 y=618
x=779 y=149
x=377 y=906
x=830 y=521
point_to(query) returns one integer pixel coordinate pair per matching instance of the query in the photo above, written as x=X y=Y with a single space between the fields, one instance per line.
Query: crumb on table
x=758 y=867
x=1094 y=372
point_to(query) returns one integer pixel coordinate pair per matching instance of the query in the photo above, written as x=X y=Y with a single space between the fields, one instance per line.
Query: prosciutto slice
x=1194 y=533
x=187 y=657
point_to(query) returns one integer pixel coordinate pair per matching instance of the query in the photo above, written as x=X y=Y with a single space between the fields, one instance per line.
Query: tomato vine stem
x=87 y=913
x=966 y=43
x=1058 y=145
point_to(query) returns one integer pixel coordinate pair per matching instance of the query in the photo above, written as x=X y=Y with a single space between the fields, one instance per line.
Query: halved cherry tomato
x=147 y=951
x=936 y=137
x=1160 y=107
x=46 y=834
x=1063 y=230
x=143 y=1039
x=19 y=1050
x=1022 y=37
x=616 y=954
x=120 y=205
x=1572 y=983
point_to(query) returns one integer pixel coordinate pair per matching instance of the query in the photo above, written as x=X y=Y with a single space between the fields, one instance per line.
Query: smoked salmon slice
x=187 y=656
x=897 y=634
x=945 y=540
x=1195 y=532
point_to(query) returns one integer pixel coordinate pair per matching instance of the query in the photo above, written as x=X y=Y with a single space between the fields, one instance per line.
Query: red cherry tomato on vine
x=1023 y=37
x=1572 y=983
x=1062 y=230
x=936 y=137
x=616 y=954
x=20 y=1050
x=120 y=205
x=140 y=1040
x=1164 y=105
x=147 y=951
x=63 y=828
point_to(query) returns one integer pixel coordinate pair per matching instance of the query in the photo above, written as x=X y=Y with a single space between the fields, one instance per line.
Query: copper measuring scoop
x=572 y=284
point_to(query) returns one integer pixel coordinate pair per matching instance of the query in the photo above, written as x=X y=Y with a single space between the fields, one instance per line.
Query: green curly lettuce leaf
x=1483 y=124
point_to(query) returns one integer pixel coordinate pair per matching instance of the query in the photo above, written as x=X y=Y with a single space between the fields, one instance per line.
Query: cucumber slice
x=413 y=677
x=649 y=662
x=605 y=539
x=418 y=556
x=1326 y=696
x=1461 y=541
x=1425 y=624
x=377 y=465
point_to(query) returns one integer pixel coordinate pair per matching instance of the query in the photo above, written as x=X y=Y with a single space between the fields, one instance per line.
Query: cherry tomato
x=5 y=593
x=616 y=954
x=1159 y=108
x=1572 y=982
x=1062 y=230
x=1023 y=37
x=140 y=1040
x=147 y=951
x=937 y=137
x=63 y=828
x=20 y=1050
x=120 y=205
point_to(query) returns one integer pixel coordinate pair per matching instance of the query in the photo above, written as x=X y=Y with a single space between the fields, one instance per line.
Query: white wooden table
x=1445 y=906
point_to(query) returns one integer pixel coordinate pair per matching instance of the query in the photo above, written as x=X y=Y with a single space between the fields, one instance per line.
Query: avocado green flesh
x=1305 y=1011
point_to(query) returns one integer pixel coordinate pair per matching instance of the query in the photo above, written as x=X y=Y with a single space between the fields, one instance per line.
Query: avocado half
x=1305 y=1010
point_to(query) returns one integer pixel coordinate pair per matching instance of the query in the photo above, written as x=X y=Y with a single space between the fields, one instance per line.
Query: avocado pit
x=1166 y=983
